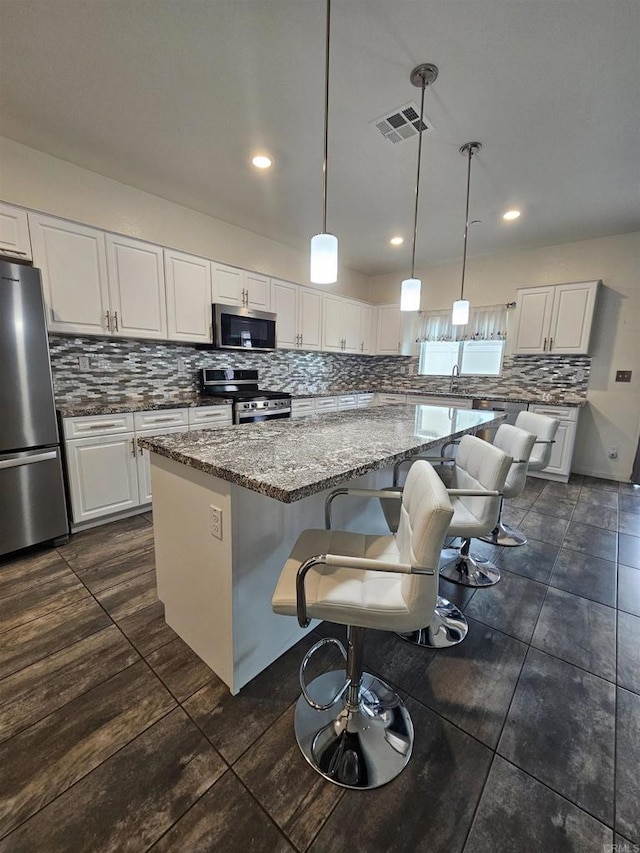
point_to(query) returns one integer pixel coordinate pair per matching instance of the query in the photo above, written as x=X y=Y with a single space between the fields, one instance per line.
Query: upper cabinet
x=189 y=297
x=389 y=330
x=136 y=288
x=73 y=262
x=14 y=232
x=341 y=324
x=299 y=312
x=555 y=320
x=233 y=286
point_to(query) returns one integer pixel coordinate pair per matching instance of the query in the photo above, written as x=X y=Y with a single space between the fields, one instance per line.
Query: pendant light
x=324 y=246
x=422 y=75
x=460 y=313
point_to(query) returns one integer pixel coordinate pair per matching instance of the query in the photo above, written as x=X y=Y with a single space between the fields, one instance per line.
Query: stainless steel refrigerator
x=32 y=498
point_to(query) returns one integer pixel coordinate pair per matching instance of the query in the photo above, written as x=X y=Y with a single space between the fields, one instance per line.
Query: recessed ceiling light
x=261 y=161
x=396 y=241
x=511 y=214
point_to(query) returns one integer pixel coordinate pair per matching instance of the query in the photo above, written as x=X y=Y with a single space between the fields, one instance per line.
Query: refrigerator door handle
x=28 y=460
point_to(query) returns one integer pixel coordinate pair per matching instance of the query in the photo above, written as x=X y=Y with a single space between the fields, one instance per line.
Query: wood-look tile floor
x=114 y=736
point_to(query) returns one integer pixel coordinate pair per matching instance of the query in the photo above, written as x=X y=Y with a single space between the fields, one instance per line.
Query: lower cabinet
x=108 y=473
x=559 y=467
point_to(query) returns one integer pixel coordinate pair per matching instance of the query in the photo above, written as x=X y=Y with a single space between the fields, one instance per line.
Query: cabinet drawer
x=98 y=425
x=302 y=407
x=390 y=399
x=566 y=413
x=209 y=416
x=327 y=404
x=347 y=401
x=159 y=418
x=366 y=400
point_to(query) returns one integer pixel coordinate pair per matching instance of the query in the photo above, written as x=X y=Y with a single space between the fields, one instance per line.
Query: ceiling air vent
x=398 y=125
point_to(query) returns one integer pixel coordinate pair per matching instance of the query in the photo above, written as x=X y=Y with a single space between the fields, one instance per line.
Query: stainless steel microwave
x=235 y=327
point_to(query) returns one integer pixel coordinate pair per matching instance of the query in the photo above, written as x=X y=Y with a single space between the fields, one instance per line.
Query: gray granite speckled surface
x=138 y=404
x=292 y=459
x=512 y=397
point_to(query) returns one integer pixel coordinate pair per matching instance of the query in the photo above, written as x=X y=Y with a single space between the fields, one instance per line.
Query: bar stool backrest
x=519 y=444
x=545 y=429
x=480 y=465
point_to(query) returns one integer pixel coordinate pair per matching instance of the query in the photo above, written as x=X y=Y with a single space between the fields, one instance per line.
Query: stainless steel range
x=250 y=402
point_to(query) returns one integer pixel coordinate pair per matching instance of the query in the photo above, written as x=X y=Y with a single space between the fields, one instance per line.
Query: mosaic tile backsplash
x=129 y=369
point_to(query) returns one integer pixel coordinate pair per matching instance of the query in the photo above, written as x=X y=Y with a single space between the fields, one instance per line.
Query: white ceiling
x=172 y=97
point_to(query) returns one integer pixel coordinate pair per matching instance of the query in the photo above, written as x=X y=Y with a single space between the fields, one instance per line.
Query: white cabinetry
x=299 y=323
x=136 y=288
x=450 y=402
x=210 y=417
x=341 y=325
x=559 y=467
x=301 y=408
x=368 y=328
x=389 y=337
x=390 y=399
x=556 y=320
x=14 y=232
x=73 y=262
x=234 y=286
x=189 y=297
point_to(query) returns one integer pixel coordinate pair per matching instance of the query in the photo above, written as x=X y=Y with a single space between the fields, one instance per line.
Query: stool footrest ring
x=314 y=648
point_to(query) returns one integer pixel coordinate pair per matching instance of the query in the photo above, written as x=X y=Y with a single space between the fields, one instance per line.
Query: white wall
x=612 y=416
x=35 y=180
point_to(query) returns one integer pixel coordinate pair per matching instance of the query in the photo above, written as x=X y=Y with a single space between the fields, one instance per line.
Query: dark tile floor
x=114 y=736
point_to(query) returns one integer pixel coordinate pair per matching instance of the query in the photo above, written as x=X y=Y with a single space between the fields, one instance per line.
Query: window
x=477 y=348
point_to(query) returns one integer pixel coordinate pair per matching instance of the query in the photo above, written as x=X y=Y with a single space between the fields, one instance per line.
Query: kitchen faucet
x=455 y=371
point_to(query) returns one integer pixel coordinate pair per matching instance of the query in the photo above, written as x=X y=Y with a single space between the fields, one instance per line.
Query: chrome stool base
x=468 y=570
x=360 y=748
x=504 y=535
x=447 y=628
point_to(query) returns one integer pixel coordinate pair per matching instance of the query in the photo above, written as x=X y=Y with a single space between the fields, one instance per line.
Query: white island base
x=217 y=591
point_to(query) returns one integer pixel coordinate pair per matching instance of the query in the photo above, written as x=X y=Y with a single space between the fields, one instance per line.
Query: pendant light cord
x=415 y=214
x=471 y=152
x=326 y=122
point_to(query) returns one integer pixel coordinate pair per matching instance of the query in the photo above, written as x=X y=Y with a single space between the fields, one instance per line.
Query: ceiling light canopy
x=324 y=246
x=460 y=313
x=396 y=241
x=261 y=161
x=510 y=215
x=422 y=75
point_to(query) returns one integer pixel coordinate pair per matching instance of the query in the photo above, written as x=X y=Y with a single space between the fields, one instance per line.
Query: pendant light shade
x=422 y=75
x=460 y=313
x=410 y=295
x=324 y=246
x=324 y=259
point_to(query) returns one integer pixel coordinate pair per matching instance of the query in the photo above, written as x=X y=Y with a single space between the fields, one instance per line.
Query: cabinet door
x=73 y=262
x=351 y=326
x=389 y=330
x=257 y=291
x=368 y=318
x=332 y=323
x=572 y=317
x=189 y=297
x=102 y=476
x=284 y=303
x=14 y=232
x=535 y=305
x=143 y=461
x=136 y=288
x=228 y=284
x=310 y=318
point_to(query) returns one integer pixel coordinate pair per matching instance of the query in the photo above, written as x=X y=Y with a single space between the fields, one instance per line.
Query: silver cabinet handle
x=550 y=344
x=108 y=321
x=99 y=426
x=362 y=346
x=160 y=420
x=6 y=251
x=28 y=460
x=133 y=447
x=544 y=345
x=115 y=319
x=300 y=339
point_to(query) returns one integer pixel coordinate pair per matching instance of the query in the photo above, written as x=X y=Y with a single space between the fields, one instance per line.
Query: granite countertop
x=291 y=459
x=137 y=404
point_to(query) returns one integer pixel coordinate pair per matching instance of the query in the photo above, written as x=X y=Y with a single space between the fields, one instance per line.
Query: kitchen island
x=228 y=506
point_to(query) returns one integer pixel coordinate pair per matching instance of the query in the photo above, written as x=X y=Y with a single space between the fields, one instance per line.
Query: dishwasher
x=509 y=406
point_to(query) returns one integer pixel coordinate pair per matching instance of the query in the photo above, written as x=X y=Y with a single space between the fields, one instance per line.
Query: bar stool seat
x=352 y=727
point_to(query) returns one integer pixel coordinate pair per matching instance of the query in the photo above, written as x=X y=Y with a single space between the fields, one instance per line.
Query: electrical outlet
x=83 y=362
x=613 y=453
x=216 y=521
